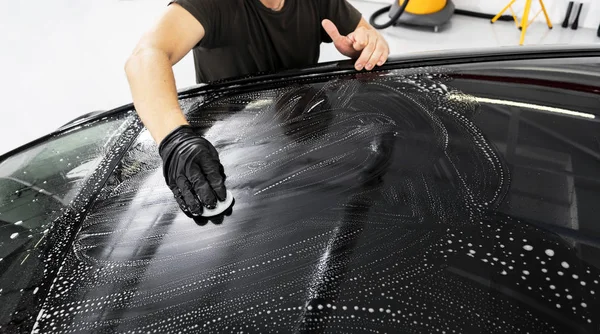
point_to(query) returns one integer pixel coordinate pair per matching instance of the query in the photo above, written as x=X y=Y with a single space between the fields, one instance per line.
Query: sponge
x=221 y=207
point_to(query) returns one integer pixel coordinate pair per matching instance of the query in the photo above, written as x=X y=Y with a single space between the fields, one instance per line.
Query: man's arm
x=191 y=164
x=150 y=70
x=365 y=44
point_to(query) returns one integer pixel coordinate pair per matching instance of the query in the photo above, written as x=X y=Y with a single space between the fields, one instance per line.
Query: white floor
x=64 y=58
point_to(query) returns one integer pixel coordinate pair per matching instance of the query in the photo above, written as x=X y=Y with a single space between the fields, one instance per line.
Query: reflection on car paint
x=363 y=204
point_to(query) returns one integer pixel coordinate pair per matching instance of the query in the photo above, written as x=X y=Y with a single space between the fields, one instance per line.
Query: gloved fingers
x=222 y=172
x=216 y=181
x=219 y=185
x=213 y=171
x=201 y=186
x=190 y=199
x=213 y=155
x=212 y=150
x=179 y=200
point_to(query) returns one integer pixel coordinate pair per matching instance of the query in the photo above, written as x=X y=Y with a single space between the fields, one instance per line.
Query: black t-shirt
x=244 y=37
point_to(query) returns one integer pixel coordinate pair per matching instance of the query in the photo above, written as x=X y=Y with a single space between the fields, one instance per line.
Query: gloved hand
x=192 y=170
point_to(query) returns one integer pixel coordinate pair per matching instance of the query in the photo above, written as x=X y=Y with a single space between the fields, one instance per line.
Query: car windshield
x=452 y=199
x=36 y=186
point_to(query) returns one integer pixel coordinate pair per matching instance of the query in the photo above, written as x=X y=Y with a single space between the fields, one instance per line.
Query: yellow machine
x=435 y=13
x=429 y=13
x=424 y=7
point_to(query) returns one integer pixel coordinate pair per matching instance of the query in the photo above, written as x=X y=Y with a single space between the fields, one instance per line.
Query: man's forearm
x=154 y=93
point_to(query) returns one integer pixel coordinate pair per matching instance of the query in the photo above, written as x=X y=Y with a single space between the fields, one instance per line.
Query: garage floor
x=65 y=58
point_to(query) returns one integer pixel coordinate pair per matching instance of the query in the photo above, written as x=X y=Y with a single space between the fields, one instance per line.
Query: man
x=231 y=38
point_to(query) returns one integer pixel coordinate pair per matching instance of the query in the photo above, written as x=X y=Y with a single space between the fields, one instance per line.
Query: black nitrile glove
x=192 y=170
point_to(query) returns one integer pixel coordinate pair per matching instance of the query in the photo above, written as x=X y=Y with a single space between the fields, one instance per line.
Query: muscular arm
x=149 y=70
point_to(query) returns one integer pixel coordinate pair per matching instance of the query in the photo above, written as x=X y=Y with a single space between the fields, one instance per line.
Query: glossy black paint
x=403 y=201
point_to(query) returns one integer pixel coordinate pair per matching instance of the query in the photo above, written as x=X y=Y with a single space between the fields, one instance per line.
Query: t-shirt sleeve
x=213 y=15
x=342 y=14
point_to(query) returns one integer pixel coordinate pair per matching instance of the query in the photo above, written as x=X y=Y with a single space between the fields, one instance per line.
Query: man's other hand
x=364 y=44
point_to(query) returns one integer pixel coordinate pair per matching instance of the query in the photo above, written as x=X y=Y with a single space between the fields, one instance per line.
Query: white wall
x=590 y=14
x=64 y=58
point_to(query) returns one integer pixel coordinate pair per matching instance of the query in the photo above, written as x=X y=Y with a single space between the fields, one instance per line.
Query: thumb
x=331 y=29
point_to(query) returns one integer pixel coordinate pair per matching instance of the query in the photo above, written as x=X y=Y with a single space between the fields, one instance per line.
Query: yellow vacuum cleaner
x=425 y=13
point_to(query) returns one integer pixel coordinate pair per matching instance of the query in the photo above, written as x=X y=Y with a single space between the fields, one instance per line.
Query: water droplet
x=14 y=235
x=564 y=265
x=583 y=305
x=19 y=222
x=549 y=252
x=528 y=247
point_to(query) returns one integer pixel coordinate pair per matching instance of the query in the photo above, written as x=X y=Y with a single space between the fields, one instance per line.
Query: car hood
x=447 y=197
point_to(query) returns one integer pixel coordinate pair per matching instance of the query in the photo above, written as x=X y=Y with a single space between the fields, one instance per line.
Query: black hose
x=481 y=15
x=385 y=10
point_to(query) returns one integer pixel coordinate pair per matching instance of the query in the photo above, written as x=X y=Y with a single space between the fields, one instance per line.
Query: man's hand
x=364 y=43
x=192 y=170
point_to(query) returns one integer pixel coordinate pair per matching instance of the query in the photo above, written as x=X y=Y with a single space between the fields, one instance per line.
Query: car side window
x=36 y=186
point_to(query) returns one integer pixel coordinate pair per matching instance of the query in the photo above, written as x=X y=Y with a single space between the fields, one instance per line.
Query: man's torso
x=244 y=36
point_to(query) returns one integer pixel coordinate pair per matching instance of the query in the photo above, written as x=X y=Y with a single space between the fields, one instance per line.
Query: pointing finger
x=331 y=30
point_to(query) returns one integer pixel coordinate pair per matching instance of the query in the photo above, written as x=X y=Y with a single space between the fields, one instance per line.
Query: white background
x=64 y=58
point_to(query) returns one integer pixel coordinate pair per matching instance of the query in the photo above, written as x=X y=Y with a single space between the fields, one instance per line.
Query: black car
x=442 y=193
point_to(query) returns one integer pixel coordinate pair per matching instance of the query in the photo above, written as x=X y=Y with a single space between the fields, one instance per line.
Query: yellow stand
x=524 y=21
